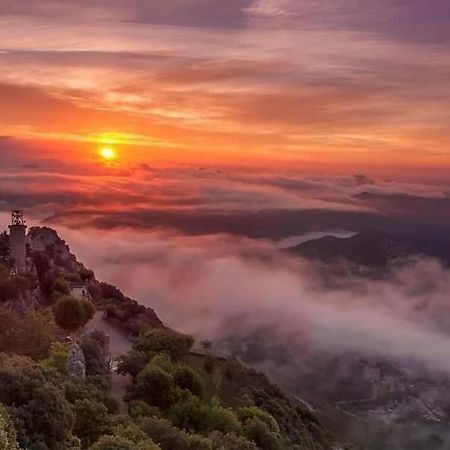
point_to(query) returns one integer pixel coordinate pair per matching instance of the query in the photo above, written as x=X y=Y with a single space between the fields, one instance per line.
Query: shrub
x=132 y=363
x=162 y=340
x=8 y=435
x=251 y=412
x=164 y=433
x=60 y=286
x=95 y=346
x=191 y=414
x=90 y=420
x=185 y=378
x=259 y=432
x=72 y=313
x=31 y=335
x=58 y=357
x=230 y=441
x=154 y=386
x=139 y=408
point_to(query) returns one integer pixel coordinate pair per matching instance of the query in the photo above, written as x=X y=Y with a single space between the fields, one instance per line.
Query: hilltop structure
x=18 y=241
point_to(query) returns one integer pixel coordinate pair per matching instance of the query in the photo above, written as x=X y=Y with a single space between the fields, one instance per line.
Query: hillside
x=374 y=250
x=58 y=384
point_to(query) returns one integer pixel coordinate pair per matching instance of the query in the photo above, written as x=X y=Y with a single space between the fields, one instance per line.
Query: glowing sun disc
x=108 y=153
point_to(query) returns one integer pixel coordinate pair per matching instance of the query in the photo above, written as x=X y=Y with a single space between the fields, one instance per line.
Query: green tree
x=60 y=286
x=154 y=386
x=132 y=363
x=72 y=313
x=191 y=414
x=95 y=348
x=91 y=418
x=230 y=441
x=163 y=340
x=31 y=335
x=164 y=433
x=37 y=404
x=95 y=388
x=36 y=335
x=58 y=357
x=197 y=442
x=247 y=413
x=139 y=408
x=260 y=433
x=9 y=333
x=126 y=437
x=223 y=419
x=185 y=378
x=8 y=435
x=121 y=443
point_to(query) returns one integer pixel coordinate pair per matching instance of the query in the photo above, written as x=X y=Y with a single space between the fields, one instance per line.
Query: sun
x=109 y=154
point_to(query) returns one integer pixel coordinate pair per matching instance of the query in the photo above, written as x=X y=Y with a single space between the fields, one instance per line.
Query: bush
x=31 y=335
x=60 y=286
x=96 y=389
x=252 y=412
x=197 y=442
x=259 y=432
x=58 y=357
x=165 y=434
x=122 y=443
x=132 y=363
x=39 y=409
x=90 y=420
x=185 y=378
x=230 y=441
x=224 y=420
x=139 y=408
x=72 y=313
x=8 y=435
x=95 y=348
x=191 y=414
x=154 y=386
x=162 y=340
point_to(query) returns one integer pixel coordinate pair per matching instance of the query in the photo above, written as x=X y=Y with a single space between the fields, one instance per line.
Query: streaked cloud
x=276 y=79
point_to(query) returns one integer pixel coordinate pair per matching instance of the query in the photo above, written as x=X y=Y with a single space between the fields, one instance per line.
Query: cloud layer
x=204 y=200
x=231 y=288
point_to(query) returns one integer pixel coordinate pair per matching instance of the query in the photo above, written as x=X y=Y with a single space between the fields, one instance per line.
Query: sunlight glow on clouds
x=277 y=80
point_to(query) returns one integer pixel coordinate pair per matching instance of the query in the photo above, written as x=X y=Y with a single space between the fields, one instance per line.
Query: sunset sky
x=326 y=81
x=175 y=143
x=231 y=103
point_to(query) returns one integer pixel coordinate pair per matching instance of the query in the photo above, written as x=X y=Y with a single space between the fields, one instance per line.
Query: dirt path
x=339 y=405
x=119 y=343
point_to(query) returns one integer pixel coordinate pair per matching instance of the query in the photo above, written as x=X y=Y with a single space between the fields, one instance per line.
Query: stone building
x=18 y=241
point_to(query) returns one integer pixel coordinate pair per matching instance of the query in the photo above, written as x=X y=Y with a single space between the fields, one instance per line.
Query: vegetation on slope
x=177 y=400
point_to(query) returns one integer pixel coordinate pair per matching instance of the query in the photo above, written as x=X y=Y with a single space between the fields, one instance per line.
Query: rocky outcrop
x=46 y=240
x=76 y=364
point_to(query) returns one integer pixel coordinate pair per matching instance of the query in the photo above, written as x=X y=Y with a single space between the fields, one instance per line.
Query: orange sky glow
x=271 y=86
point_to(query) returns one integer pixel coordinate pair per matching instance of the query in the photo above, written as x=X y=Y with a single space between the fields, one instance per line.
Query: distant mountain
x=374 y=249
x=434 y=210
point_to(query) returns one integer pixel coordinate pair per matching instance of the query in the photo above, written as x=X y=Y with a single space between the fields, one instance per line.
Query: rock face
x=53 y=259
x=76 y=364
x=95 y=345
x=46 y=240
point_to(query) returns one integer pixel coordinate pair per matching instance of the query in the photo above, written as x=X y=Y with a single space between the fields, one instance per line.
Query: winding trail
x=372 y=398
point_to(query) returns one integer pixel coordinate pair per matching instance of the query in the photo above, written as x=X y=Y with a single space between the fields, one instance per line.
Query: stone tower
x=18 y=241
